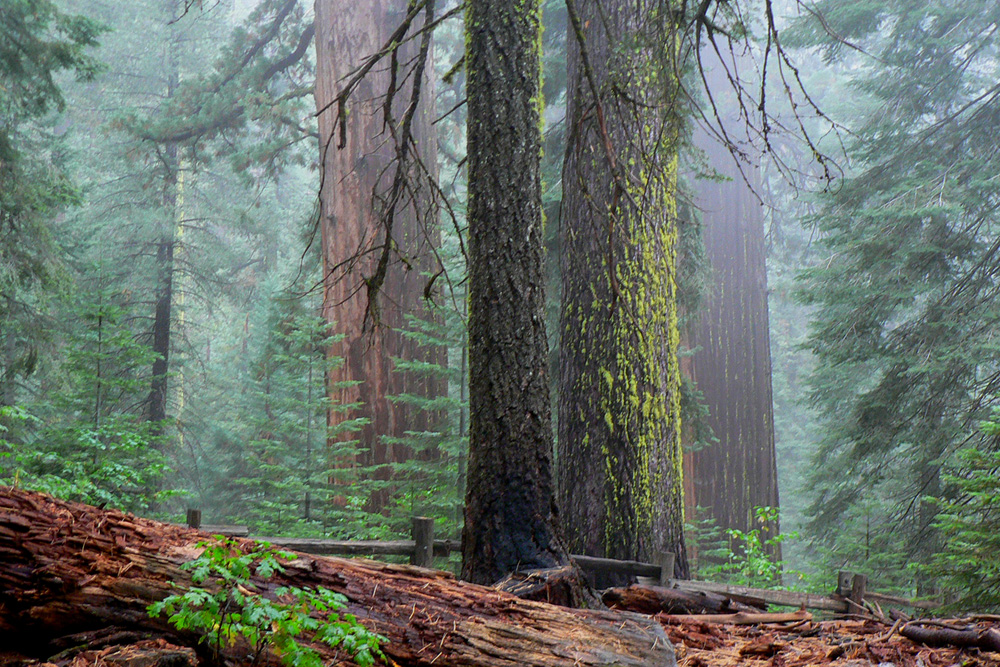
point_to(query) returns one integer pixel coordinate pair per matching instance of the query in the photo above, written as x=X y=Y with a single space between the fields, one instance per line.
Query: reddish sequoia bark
x=347 y=32
x=70 y=569
x=732 y=360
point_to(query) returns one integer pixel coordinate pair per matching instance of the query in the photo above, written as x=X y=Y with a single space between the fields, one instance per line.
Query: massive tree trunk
x=510 y=513
x=357 y=179
x=620 y=470
x=74 y=577
x=732 y=360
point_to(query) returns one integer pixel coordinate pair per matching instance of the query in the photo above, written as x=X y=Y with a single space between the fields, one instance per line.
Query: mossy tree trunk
x=620 y=469
x=510 y=515
x=357 y=181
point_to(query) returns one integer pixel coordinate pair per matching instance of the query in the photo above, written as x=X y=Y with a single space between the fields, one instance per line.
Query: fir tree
x=906 y=307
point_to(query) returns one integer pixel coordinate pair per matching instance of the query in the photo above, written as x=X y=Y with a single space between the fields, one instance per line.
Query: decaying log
x=655 y=599
x=70 y=569
x=986 y=639
x=739 y=618
x=565 y=586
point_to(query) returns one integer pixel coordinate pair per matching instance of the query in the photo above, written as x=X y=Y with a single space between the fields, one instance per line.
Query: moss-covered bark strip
x=510 y=511
x=620 y=466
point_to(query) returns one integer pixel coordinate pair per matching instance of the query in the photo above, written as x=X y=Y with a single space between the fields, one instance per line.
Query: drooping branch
x=199 y=126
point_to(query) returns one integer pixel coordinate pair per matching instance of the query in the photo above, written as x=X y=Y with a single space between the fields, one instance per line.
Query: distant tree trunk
x=164 y=291
x=348 y=31
x=620 y=470
x=731 y=364
x=510 y=513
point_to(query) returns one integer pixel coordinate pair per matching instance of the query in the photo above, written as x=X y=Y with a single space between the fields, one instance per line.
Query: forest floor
x=844 y=643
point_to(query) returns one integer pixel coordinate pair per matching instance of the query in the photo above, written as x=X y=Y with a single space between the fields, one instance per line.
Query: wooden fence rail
x=850 y=596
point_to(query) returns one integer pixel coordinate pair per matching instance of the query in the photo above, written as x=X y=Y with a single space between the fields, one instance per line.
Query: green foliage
x=969 y=564
x=430 y=482
x=904 y=294
x=749 y=559
x=111 y=465
x=232 y=608
x=37 y=41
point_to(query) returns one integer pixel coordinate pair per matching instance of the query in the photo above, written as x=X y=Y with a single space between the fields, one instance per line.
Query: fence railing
x=850 y=597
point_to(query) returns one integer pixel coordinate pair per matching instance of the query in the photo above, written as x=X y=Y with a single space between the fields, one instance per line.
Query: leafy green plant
x=231 y=608
x=113 y=465
x=749 y=561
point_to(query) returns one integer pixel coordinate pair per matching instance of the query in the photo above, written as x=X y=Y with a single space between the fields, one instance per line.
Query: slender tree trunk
x=347 y=32
x=731 y=364
x=620 y=468
x=157 y=401
x=510 y=513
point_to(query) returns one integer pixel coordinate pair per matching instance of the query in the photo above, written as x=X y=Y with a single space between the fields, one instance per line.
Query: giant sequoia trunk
x=732 y=360
x=74 y=577
x=358 y=174
x=510 y=515
x=620 y=467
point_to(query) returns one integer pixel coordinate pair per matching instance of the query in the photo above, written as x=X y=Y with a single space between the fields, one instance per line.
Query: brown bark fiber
x=655 y=599
x=357 y=178
x=67 y=569
x=730 y=339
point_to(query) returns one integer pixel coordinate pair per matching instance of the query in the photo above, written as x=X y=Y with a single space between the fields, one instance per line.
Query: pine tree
x=905 y=299
x=37 y=42
x=620 y=467
x=510 y=514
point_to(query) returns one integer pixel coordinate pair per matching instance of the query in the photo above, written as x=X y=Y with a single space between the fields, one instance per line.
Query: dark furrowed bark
x=510 y=510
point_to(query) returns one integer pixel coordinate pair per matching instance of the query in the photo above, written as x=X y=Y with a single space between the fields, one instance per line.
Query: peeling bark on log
x=986 y=639
x=739 y=618
x=655 y=599
x=67 y=569
x=565 y=586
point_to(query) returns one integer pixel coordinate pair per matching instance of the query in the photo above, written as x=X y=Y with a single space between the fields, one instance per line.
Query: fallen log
x=739 y=618
x=986 y=639
x=565 y=586
x=655 y=599
x=69 y=570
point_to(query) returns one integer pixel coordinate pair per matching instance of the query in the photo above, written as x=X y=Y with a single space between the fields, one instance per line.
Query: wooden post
x=857 y=597
x=844 y=583
x=665 y=559
x=423 y=536
x=194 y=519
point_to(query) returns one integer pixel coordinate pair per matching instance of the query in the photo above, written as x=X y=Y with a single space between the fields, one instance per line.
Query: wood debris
x=844 y=643
x=74 y=579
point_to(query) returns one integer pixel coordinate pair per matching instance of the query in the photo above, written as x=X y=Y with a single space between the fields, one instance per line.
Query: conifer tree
x=905 y=300
x=378 y=225
x=620 y=465
x=510 y=512
x=37 y=42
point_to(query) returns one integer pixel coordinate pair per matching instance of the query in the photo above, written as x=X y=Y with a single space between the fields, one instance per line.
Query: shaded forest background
x=201 y=305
